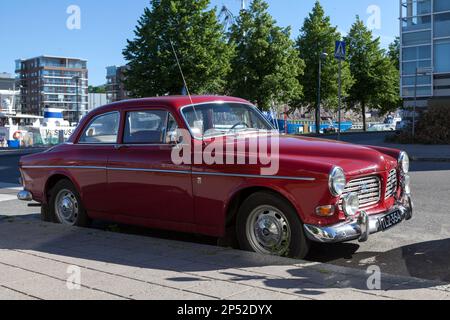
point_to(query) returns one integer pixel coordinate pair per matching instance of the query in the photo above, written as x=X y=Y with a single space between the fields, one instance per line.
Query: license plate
x=390 y=220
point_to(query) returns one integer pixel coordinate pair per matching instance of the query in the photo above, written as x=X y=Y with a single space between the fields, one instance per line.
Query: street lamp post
x=322 y=56
x=77 y=81
x=419 y=72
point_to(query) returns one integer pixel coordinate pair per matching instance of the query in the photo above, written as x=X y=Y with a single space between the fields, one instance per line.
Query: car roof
x=175 y=102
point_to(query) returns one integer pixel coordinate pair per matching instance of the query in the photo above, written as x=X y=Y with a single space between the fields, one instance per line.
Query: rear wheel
x=65 y=206
x=268 y=224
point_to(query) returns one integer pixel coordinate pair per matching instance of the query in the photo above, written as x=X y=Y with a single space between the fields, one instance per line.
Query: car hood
x=354 y=159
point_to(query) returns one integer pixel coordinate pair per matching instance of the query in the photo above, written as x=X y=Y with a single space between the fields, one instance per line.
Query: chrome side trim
x=194 y=173
x=66 y=167
x=149 y=170
x=252 y=176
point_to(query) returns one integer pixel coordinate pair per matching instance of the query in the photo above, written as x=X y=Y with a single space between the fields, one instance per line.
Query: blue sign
x=340 y=51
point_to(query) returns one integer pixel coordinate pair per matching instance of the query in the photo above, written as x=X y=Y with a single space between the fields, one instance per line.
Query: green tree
x=318 y=36
x=198 y=39
x=375 y=75
x=266 y=66
x=394 y=52
x=97 y=89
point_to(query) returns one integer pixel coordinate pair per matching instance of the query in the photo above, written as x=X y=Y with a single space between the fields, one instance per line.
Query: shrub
x=433 y=126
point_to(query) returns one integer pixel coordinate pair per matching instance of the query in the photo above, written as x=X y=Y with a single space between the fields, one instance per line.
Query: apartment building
x=53 y=82
x=425 y=52
x=115 y=88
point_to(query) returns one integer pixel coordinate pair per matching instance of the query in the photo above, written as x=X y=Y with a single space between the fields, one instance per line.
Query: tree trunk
x=364 y=117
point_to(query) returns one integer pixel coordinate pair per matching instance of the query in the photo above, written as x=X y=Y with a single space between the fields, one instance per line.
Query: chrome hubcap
x=66 y=207
x=268 y=231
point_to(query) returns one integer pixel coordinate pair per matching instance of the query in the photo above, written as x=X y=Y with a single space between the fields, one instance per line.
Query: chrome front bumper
x=25 y=195
x=358 y=229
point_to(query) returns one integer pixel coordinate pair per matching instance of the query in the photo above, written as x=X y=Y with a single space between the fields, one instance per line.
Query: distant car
x=403 y=125
x=118 y=166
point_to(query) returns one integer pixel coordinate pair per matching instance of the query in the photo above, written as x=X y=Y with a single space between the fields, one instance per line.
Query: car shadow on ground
x=425 y=260
x=148 y=256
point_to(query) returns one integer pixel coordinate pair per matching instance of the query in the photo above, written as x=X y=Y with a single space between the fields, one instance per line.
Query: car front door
x=142 y=179
x=86 y=160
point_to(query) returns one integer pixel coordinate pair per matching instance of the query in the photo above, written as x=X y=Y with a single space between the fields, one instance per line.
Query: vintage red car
x=119 y=166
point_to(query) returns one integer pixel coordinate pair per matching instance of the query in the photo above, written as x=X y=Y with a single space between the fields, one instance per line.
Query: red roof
x=169 y=101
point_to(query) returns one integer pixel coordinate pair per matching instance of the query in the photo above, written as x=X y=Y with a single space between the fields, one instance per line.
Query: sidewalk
x=35 y=256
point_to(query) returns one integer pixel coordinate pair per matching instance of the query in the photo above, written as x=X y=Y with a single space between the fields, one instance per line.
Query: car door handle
x=120 y=146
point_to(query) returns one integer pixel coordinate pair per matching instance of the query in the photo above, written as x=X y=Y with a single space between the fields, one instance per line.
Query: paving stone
x=8 y=295
x=117 y=285
x=170 y=294
x=9 y=274
x=407 y=292
x=51 y=289
x=218 y=289
x=261 y=294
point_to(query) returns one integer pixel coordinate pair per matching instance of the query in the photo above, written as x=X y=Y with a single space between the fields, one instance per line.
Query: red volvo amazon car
x=119 y=165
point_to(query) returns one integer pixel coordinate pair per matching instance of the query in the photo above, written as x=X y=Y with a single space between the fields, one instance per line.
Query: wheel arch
x=240 y=195
x=53 y=179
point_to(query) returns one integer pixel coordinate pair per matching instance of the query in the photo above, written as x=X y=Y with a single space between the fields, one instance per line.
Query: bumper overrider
x=363 y=226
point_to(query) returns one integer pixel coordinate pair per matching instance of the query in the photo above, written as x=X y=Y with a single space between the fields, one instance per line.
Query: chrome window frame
x=219 y=103
x=90 y=123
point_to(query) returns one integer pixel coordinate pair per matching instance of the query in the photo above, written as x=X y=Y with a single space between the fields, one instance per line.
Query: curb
x=425 y=159
x=9 y=152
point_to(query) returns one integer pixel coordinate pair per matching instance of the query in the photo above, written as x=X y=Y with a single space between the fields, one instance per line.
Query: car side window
x=102 y=130
x=172 y=130
x=148 y=127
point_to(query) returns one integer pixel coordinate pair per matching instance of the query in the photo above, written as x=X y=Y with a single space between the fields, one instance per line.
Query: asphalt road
x=418 y=248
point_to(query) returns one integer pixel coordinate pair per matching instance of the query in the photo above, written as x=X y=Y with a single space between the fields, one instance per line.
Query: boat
x=21 y=130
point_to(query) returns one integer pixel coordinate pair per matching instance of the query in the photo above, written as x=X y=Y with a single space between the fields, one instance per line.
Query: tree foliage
x=375 y=75
x=266 y=66
x=394 y=52
x=317 y=36
x=199 y=41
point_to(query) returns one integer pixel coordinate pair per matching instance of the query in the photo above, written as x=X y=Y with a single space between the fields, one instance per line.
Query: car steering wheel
x=239 y=124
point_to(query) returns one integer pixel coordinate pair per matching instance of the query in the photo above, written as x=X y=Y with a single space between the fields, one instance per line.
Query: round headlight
x=337 y=181
x=350 y=204
x=403 y=162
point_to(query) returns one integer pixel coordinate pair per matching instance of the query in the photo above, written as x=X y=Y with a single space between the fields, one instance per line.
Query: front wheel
x=268 y=224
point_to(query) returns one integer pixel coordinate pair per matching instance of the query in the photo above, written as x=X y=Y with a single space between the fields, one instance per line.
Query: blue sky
x=30 y=28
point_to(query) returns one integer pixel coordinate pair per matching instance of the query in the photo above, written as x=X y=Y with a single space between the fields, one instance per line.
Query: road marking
x=7 y=197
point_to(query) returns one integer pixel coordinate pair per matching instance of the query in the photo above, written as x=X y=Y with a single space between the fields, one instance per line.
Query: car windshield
x=217 y=119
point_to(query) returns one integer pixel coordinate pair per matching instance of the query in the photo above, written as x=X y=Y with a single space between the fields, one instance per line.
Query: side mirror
x=175 y=138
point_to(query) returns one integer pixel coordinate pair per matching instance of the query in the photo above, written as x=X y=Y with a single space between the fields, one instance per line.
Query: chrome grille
x=368 y=190
x=392 y=184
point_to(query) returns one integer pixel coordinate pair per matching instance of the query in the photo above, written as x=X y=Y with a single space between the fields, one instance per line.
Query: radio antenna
x=184 y=80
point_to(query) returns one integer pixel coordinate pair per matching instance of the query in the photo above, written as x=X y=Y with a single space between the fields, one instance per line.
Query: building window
x=442 y=25
x=421 y=80
x=416 y=23
x=441 y=5
x=416 y=38
x=416 y=53
x=412 y=8
x=409 y=68
x=422 y=91
x=441 y=56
